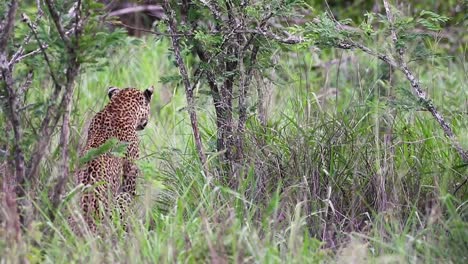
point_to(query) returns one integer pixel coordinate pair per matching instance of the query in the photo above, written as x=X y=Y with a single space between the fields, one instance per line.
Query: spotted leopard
x=112 y=179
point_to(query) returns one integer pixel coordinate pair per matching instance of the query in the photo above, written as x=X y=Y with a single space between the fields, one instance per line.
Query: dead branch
x=393 y=34
x=29 y=54
x=42 y=48
x=137 y=9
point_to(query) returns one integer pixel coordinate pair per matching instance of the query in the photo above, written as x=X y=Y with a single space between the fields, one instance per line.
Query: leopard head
x=131 y=105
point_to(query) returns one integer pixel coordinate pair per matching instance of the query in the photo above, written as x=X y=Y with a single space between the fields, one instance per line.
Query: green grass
x=320 y=183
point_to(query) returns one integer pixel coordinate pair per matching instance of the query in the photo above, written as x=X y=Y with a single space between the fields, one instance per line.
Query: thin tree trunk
x=188 y=88
x=246 y=77
x=64 y=141
x=66 y=107
x=15 y=171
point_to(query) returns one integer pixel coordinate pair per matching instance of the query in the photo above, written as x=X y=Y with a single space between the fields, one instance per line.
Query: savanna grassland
x=341 y=162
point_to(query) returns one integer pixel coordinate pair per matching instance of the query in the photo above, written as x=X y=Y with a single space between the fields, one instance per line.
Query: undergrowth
x=342 y=165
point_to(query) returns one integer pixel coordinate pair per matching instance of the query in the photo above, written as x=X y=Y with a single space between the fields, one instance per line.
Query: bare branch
x=27 y=83
x=20 y=51
x=291 y=39
x=351 y=44
x=26 y=19
x=421 y=94
x=30 y=54
x=148 y=30
x=213 y=8
x=44 y=136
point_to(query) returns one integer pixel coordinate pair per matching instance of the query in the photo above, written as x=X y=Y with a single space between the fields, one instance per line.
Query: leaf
x=112 y=146
x=170 y=78
x=366 y=25
x=431 y=20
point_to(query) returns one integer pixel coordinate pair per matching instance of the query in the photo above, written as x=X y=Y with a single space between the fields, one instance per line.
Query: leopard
x=112 y=178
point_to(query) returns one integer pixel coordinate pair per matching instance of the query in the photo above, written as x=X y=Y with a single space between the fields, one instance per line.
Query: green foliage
x=185 y=216
x=112 y=146
x=308 y=187
x=367 y=25
x=171 y=79
x=210 y=41
x=431 y=20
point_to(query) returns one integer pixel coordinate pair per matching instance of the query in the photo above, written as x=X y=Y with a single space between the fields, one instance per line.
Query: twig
x=213 y=8
x=186 y=34
x=291 y=39
x=26 y=19
x=349 y=44
x=32 y=53
x=460 y=186
x=20 y=51
x=188 y=88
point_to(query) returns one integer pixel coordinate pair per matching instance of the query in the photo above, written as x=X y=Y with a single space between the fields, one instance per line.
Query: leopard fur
x=113 y=179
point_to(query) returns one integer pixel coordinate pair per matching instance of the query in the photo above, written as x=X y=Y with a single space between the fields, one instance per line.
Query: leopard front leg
x=123 y=202
x=130 y=174
x=130 y=169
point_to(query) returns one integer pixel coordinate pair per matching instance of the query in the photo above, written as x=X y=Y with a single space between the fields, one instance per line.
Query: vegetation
x=314 y=143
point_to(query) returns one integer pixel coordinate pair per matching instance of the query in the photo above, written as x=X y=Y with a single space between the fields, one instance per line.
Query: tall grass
x=346 y=168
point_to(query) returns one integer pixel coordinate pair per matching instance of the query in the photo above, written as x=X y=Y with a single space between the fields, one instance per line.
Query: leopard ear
x=149 y=93
x=112 y=91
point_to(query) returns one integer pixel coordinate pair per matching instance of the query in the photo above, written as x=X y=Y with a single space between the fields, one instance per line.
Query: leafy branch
x=327 y=32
